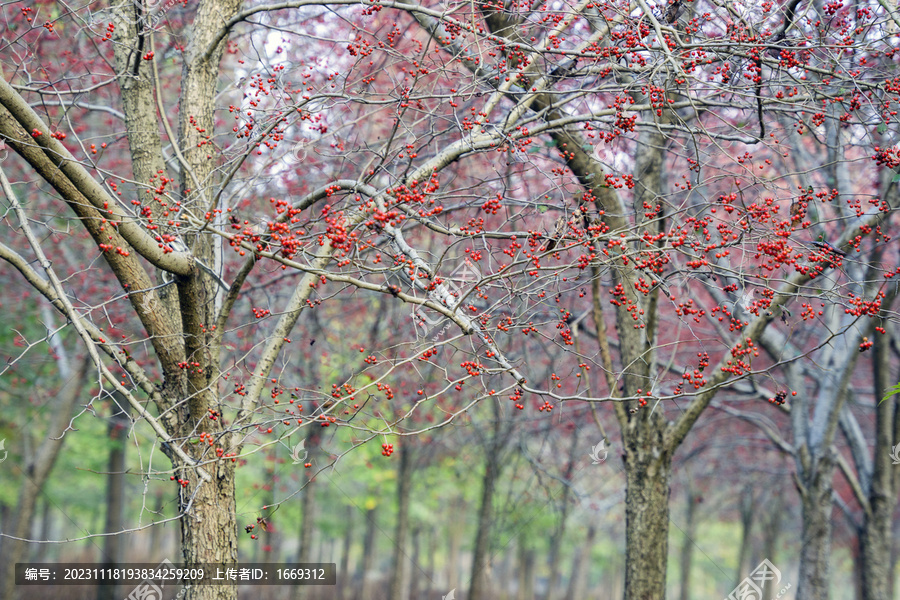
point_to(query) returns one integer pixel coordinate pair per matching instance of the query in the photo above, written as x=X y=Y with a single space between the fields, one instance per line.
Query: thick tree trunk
x=648 y=470
x=208 y=529
x=815 y=550
x=876 y=541
x=875 y=551
x=401 y=531
x=115 y=493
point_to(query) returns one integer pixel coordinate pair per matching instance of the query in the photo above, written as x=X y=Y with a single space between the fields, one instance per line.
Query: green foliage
x=891 y=392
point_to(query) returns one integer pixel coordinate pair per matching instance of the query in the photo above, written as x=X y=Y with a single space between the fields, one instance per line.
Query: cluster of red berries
x=387 y=449
x=779 y=398
x=182 y=482
x=516 y=397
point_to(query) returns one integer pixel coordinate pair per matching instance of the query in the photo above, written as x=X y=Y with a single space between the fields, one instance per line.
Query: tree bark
x=815 y=550
x=876 y=541
x=209 y=528
x=401 y=531
x=648 y=470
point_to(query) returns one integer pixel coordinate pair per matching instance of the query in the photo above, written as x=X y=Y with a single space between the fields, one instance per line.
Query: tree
x=503 y=169
x=42 y=450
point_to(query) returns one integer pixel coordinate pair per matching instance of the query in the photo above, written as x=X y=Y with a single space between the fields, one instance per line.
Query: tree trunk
x=414 y=576
x=876 y=541
x=455 y=534
x=875 y=549
x=272 y=536
x=815 y=551
x=687 y=546
x=578 y=580
x=157 y=532
x=45 y=533
x=747 y=508
x=208 y=529
x=432 y=555
x=308 y=513
x=648 y=470
x=526 y=572
x=560 y=530
x=37 y=470
x=770 y=540
x=344 y=580
x=401 y=532
x=481 y=553
x=368 y=560
x=113 y=545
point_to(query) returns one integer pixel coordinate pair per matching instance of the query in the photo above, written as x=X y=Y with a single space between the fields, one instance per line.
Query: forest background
x=476 y=299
